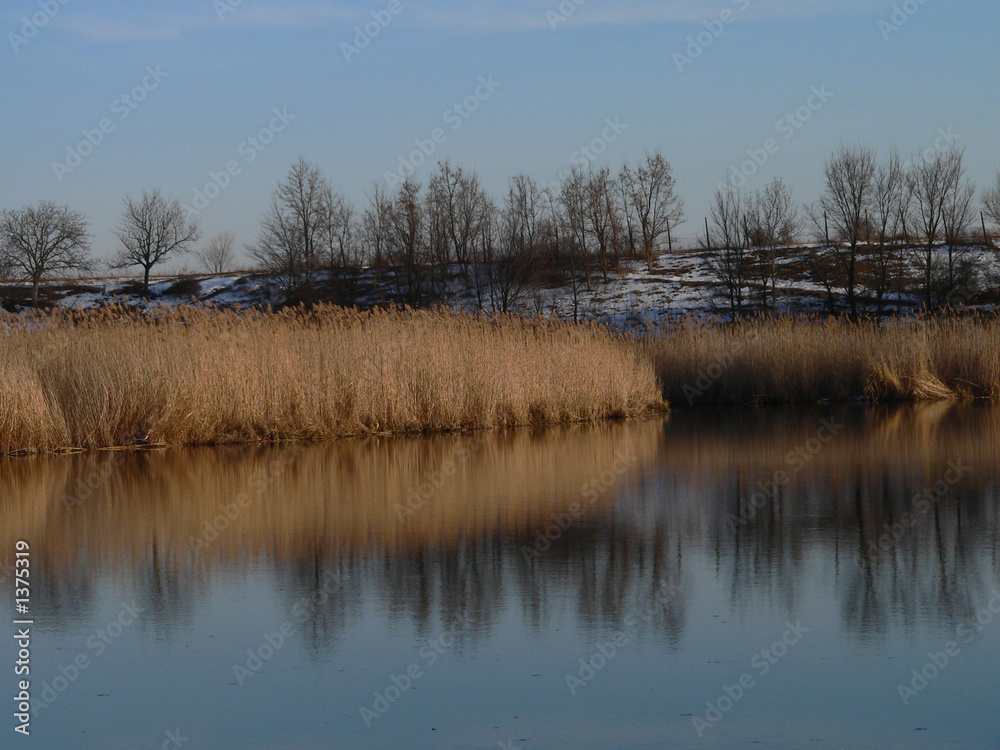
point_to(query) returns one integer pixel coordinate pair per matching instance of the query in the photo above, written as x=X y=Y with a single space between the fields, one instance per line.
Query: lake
x=824 y=577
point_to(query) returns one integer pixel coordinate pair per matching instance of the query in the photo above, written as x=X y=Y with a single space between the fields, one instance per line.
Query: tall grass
x=195 y=375
x=796 y=360
x=200 y=376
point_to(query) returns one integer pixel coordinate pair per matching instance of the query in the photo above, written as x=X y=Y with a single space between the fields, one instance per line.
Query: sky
x=212 y=101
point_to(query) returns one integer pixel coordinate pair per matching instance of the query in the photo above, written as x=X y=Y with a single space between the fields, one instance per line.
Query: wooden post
x=670 y=242
x=986 y=237
x=708 y=237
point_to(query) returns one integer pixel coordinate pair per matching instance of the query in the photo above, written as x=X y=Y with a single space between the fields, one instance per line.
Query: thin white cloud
x=145 y=26
x=526 y=15
x=512 y=15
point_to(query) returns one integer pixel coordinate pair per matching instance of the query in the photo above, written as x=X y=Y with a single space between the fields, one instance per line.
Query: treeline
x=415 y=245
x=881 y=228
x=427 y=244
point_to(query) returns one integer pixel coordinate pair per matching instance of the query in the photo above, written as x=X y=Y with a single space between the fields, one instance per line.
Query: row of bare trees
x=46 y=240
x=425 y=243
x=750 y=232
x=878 y=228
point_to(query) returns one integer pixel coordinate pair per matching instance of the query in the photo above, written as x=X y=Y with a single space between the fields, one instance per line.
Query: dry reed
x=190 y=376
x=796 y=360
x=196 y=375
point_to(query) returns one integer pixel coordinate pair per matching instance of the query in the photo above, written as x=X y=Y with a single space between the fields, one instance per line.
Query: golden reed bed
x=191 y=376
x=802 y=360
x=195 y=375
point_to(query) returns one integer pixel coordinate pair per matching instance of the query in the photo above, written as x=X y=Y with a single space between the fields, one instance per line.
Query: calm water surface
x=720 y=579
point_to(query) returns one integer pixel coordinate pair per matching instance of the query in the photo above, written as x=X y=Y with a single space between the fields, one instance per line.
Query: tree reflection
x=425 y=532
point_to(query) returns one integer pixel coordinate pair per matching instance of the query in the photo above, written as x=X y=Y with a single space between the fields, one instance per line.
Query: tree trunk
x=145 y=281
x=928 y=299
x=851 y=279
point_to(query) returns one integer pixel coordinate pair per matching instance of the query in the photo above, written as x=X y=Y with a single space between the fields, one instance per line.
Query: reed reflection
x=430 y=530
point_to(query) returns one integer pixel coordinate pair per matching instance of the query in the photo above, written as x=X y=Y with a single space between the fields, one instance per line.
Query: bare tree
x=343 y=233
x=603 y=217
x=152 y=231
x=524 y=207
x=573 y=205
x=930 y=182
x=727 y=255
x=295 y=237
x=38 y=241
x=509 y=256
x=464 y=208
x=847 y=195
x=959 y=274
x=220 y=253
x=406 y=243
x=888 y=207
x=770 y=223
x=628 y=242
x=991 y=203
x=375 y=226
x=991 y=208
x=348 y=250
x=6 y=267
x=649 y=190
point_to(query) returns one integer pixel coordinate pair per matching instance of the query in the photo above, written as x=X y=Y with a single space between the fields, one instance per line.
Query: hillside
x=680 y=284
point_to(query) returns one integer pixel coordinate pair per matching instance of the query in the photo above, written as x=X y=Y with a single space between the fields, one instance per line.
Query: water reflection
x=456 y=526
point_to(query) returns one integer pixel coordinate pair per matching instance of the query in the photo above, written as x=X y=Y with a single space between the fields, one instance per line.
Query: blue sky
x=221 y=70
